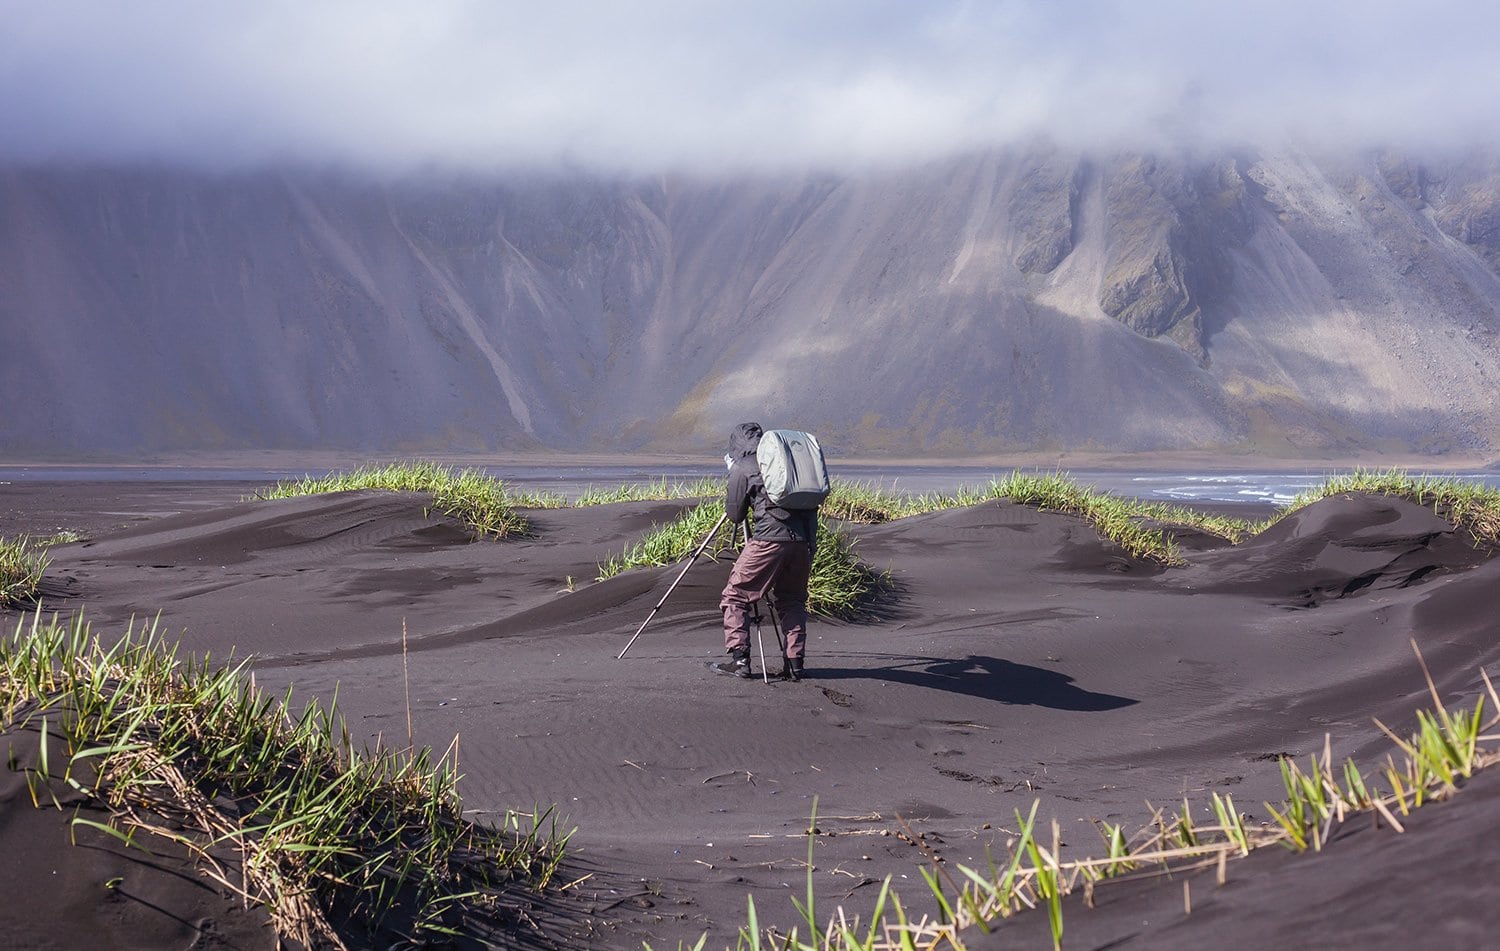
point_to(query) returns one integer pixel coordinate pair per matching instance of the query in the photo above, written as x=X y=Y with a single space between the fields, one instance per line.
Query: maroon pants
x=781 y=568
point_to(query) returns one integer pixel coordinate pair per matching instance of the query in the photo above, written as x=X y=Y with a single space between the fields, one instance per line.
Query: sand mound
x=1336 y=548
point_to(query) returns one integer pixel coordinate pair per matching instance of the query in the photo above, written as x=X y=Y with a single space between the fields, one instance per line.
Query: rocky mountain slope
x=1281 y=303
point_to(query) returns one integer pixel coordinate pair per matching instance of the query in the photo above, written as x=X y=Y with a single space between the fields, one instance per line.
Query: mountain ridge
x=1024 y=301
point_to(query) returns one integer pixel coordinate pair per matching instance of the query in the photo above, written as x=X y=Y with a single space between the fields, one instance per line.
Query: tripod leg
x=786 y=664
x=706 y=539
x=760 y=638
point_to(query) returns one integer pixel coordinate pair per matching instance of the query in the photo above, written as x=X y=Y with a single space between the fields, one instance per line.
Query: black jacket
x=746 y=494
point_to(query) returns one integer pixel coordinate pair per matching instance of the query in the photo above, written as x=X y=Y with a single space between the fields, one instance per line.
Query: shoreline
x=1158 y=461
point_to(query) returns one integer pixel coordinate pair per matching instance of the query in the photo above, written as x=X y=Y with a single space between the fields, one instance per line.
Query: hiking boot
x=736 y=665
x=794 y=669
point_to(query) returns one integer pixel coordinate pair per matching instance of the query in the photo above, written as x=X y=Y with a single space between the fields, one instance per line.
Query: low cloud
x=665 y=85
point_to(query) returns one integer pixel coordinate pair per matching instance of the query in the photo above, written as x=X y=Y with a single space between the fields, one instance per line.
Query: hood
x=744 y=438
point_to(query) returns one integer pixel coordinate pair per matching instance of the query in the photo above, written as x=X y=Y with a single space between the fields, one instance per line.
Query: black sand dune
x=1021 y=659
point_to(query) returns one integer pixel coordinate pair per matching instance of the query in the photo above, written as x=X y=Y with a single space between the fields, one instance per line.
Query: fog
x=694 y=85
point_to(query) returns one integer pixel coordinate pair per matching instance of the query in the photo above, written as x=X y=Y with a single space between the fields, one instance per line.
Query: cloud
x=660 y=85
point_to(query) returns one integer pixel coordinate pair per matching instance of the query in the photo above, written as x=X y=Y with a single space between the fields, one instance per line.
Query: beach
x=1016 y=659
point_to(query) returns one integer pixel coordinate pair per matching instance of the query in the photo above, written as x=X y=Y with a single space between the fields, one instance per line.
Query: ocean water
x=1277 y=488
x=1250 y=487
x=1247 y=486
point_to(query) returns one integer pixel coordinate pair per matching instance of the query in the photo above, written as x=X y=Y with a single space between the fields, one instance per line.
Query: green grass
x=839 y=585
x=1143 y=529
x=1471 y=506
x=863 y=503
x=22 y=563
x=659 y=490
x=486 y=504
x=1428 y=766
x=1129 y=522
x=490 y=508
x=322 y=833
x=1123 y=521
x=479 y=501
x=670 y=543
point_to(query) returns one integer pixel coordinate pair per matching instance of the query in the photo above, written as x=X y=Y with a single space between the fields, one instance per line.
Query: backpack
x=792 y=469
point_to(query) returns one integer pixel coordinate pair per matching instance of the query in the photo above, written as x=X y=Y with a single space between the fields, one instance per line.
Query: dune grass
x=653 y=490
x=657 y=490
x=866 y=504
x=669 y=543
x=1125 y=521
x=490 y=507
x=319 y=832
x=1473 y=507
x=486 y=504
x=1427 y=766
x=839 y=585
x=23 y=560
x=1141 y=528
x=479 y=501
x=1144 y=529
x=22 y=563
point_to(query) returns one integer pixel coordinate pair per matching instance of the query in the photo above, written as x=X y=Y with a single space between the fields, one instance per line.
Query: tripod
x=706 y=539
x=760 y=636
x=756 y=616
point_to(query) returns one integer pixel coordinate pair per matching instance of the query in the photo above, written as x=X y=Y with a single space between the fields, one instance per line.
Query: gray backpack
x=792 y=468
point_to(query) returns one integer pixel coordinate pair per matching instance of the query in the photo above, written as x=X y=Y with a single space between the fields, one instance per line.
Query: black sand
x=1021 y=659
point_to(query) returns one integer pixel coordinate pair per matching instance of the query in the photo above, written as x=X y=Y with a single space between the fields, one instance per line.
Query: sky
x=699 y=85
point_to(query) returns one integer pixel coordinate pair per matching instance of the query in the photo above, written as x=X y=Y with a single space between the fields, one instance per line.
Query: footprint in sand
x=836 y=698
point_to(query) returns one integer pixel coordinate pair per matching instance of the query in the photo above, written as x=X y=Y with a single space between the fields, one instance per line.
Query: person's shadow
x=988 y=678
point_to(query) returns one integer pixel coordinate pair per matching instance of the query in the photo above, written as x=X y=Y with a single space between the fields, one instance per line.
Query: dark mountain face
x=1002 y=302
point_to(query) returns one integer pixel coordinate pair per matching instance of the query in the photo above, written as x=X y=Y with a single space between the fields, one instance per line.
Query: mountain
x=1281 y=303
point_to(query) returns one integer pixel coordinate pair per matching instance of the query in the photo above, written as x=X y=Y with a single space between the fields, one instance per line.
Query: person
x=777 y=558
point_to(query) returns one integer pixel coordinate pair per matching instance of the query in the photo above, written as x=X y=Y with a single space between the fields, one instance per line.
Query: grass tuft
x=22 y=563
x=865 y=504
x=659 y=490
x=478 y=500
x=667 y=544
x=1130 y=523
x=840 y=586
x=1142 y=528
x=324 y=835
x=488 y=505
x=1472 y=506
